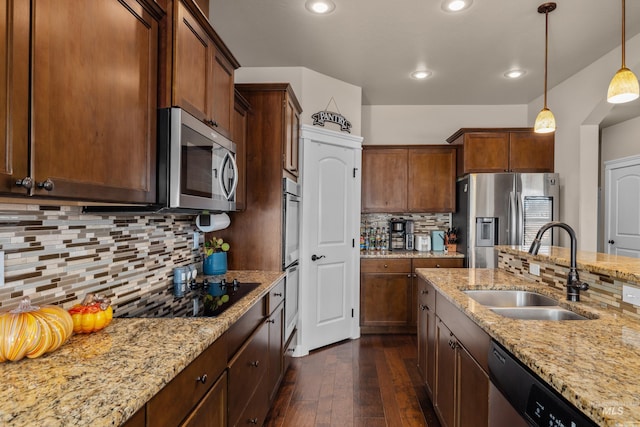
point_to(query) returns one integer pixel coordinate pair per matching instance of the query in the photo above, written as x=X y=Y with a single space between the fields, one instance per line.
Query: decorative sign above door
x=323 y=116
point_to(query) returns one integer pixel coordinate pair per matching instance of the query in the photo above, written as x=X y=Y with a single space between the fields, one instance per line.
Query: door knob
x=611 y=242
x=315 y=257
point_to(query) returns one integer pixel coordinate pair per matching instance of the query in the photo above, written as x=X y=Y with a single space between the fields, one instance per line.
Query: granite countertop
x=620 y=267
x=594 y=364
x=102 y=379
x=409 y=254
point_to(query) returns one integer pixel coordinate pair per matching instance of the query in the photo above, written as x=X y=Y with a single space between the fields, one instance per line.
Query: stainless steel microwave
x=197 y=169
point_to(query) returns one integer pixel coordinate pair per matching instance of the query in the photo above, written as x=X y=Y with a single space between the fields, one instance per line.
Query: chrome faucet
x=574 y=286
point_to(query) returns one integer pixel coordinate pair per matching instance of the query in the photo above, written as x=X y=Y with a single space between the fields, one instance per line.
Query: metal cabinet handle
x=315 y=257
x=255 y=363
x=202 y=378
x=46 y=184
x=26 y=183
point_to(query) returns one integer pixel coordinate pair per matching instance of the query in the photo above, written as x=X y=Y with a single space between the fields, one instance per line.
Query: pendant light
x=545 y=122
x=624 y=84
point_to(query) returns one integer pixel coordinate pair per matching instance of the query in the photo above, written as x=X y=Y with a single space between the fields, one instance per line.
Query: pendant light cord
x=546 y=53
x=623 y=32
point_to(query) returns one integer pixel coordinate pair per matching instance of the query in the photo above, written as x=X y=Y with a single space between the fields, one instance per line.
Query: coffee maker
x=409 y=235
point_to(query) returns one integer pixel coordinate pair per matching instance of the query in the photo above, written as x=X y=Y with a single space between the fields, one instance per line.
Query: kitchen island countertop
x=102 y=379
x=594 y=364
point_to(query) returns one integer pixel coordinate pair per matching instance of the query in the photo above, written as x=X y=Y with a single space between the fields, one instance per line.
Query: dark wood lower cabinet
x=452 y=361
x=212 y=409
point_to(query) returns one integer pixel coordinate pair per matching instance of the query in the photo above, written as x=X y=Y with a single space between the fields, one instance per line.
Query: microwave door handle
x=229 y=194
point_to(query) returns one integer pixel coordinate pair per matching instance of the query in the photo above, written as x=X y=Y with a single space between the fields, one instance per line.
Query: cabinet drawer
x=242 y=329
x=385 y=265
x=276 y=296
x=246 y=371
x=174 y=402
x=438 y=263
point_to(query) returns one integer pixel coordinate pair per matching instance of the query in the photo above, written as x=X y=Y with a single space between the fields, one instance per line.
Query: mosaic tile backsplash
x=55 y=255
x=604 y=289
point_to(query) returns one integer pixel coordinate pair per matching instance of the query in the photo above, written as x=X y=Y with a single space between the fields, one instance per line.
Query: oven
x=291 y=251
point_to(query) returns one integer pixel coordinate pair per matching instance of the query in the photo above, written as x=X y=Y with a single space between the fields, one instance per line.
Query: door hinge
x=354 y=172
x=352 y=312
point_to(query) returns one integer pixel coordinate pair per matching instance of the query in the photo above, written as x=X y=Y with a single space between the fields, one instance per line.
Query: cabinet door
x=94 y=105
x=193 y=61
x=14 y=93
x=486 y=152
x=531 y=152
x=292 y=129
x=212 y=409
x=223 y=99
x=276 y=345
x=431 y=180
x=386 y=299
x=444 y=395
x=472 y=384
x=239 y=137
x=384 y=180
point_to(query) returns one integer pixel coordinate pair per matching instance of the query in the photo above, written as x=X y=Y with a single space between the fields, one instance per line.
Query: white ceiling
x=375 y=44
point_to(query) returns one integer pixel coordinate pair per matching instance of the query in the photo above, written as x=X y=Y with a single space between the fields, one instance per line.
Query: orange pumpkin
x=93 y=314
x=32 y=331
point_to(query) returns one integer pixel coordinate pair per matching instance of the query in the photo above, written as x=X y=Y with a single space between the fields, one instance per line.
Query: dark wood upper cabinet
x=239 y=119
x=14 y=93
x=408 y=179
x=93 y=100
x=503 y=150
x=203 y=69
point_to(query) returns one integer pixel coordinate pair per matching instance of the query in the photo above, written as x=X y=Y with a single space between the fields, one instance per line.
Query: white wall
x=433 y=124
x=313 y=90
x=579 y=103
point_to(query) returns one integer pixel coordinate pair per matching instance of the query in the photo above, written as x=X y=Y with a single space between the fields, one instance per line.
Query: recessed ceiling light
x=320 y=7
x=514 y=74
x=420 y=74
x=456 y=5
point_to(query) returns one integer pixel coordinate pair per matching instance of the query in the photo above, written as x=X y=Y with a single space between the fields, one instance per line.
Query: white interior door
x=329 y=255
x=622 y=181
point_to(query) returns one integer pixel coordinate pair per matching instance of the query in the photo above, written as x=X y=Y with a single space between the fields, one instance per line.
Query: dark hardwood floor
x=372 y=382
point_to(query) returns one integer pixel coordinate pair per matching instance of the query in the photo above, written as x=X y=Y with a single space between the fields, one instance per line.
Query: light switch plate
x=534 y=269
x=631 y=295
x=196 y=240
x=1 y=269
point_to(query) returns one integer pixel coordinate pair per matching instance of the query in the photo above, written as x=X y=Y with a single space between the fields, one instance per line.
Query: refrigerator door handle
x=520 y=219
x=512 y=218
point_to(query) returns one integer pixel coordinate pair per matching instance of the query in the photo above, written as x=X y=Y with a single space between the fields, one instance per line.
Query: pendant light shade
x=624 y=84
x=545 y=122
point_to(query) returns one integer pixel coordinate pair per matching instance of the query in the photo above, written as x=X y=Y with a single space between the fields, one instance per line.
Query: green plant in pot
x=215 y=257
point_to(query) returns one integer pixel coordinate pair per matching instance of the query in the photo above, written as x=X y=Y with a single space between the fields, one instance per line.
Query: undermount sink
x=538 y=313
x=522 y=305
x=505 y=298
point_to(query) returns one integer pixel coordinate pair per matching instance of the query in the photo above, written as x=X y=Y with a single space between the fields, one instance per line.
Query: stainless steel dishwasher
x=530 y=400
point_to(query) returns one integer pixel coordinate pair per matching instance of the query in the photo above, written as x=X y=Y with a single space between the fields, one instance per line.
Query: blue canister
x=437 y=241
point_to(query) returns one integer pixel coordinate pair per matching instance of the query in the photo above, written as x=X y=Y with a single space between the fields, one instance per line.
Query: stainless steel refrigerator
x=503 y=209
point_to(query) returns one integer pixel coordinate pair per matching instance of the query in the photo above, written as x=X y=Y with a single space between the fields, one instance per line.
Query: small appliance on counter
x=437 y=244
x=408 y=235
x=397 y=234
x=422 y=242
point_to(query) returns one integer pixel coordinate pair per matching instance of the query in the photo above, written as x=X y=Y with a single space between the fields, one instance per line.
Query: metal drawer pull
x=202 y=378
x=255 y=363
